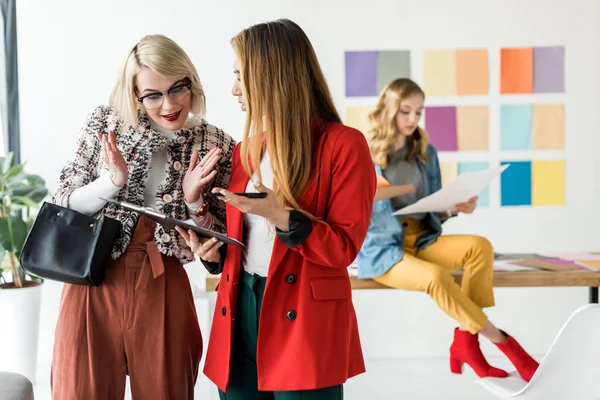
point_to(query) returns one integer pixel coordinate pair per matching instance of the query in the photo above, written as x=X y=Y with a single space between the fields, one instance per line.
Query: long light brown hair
x=285 y=89
x=382 y=134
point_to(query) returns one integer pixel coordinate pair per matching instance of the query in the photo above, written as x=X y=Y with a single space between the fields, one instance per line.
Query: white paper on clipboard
x=461 y=189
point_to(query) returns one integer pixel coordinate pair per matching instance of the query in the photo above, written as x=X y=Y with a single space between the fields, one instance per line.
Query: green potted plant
x=20 y=294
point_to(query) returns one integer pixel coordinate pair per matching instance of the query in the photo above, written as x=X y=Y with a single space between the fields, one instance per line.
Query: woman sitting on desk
x=411 y=253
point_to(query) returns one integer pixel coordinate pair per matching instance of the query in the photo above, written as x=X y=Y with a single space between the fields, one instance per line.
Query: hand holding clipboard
x=171 y=223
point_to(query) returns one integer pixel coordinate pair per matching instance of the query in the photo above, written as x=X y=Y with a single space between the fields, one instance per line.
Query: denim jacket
x=384 y=244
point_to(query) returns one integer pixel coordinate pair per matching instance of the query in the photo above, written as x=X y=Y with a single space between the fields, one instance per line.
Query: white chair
x=569 y=371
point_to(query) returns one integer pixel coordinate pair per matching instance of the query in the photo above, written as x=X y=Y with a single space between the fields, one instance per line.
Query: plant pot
x=19 y=328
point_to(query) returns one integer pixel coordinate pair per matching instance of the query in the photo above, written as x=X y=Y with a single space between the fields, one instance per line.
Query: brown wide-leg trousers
x=140 y=322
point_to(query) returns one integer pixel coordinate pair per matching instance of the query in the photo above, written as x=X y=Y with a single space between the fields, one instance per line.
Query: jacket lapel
x=239 y=181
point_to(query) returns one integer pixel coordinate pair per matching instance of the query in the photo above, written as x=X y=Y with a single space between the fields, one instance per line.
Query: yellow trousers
x=429 y=270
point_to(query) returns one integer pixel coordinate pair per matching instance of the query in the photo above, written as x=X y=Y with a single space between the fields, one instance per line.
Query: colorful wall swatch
x=548 y=126
x=367 y=72
x=461 y=128
x=392 y=65
x=440 y=123
x=516 y=70
x=439 y=72
x=455 y=72
x=515 y=184
x=484 y=196
x=449 y=171
x=548 y=182
x=361 y=73
x=358 y=117
x=532 y=70
x=532 y=127
x=472 y=72
x=548 y=70
x=515 y=127
x=473 y=128
x=538 y=182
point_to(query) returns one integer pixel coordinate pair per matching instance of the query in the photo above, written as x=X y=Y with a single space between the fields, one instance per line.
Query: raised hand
x=114 y=160
x=197 y=176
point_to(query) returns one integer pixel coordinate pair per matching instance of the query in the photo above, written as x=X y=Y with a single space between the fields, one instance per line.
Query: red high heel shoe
x=465 y=349
x=525 y=364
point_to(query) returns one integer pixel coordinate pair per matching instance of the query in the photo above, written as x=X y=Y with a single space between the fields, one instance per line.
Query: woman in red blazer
x=284 y=323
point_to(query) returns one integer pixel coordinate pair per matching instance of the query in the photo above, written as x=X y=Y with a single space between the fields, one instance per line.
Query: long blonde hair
x=382 y=135
x=163 y=56
x=285 y=89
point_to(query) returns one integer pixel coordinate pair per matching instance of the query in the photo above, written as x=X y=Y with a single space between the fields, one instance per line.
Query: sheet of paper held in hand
x=465 y=186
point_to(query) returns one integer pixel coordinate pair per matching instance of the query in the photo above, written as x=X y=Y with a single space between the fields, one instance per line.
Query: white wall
x=69 y=53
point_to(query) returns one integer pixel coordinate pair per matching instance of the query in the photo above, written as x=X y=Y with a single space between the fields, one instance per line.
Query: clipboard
x=171 y=223
x=385 y=190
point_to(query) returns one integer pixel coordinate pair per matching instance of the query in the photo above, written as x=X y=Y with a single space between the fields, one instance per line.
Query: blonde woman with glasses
x=151 y=146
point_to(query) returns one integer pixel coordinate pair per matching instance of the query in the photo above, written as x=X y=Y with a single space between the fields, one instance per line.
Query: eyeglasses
x=155 y=100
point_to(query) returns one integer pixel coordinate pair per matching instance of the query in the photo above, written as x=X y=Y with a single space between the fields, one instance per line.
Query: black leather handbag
x=68 y=246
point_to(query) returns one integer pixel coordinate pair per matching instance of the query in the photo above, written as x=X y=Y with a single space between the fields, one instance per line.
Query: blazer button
x=224 y=311
x=291 y=315
x=290 y=278
x=227 y=277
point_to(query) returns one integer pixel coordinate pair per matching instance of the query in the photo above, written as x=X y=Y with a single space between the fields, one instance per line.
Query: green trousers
x=243 y=381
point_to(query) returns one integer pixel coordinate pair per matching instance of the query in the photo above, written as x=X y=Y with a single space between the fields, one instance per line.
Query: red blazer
x=321 y=346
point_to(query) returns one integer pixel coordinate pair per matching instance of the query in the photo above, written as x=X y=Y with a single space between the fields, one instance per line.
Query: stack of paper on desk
x=507 y=265
x=550 y=264
x=465 y=186
x=589 y=259
x=515 y=256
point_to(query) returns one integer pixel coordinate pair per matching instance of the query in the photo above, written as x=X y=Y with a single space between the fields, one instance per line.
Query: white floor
x=420 y=379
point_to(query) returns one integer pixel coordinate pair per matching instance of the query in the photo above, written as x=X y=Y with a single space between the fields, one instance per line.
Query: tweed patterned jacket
x=137 y=144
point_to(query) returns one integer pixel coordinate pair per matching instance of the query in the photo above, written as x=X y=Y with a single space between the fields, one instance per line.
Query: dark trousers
x=243 y=382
